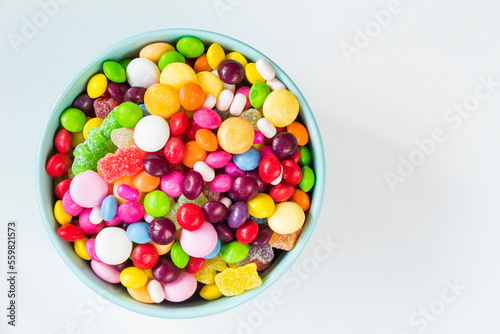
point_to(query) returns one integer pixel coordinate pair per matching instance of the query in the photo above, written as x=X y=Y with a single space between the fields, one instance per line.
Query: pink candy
x=90 y=249
x=130 y=212
x=218 y=159
x=180 y=289
x=201 y=242
x=207 y=119
x=69 y=206
x=258 y=137
x=171 y=184
x=127 y=192
x=245 y=91
x=234 y=170
x=113 y=222
x=86 y=225
x=221 y=183
x=88 y=189
x=106 y=272
x=266 y=151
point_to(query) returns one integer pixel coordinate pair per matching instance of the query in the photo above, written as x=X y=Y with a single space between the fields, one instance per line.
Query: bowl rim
x=285 y=262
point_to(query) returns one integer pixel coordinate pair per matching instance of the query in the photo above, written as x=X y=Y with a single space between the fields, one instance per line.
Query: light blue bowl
x=45 y=187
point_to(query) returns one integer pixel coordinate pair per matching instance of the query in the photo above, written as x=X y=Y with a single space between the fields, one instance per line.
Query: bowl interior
x=45 y=187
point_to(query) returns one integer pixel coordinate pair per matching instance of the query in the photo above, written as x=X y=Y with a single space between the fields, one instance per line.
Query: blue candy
x=108 y=208
x=138 y=233
x=215 y=251
x=248 y=160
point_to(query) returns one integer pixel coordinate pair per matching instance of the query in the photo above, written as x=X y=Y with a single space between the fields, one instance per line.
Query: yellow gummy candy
x=233 y=282
x=207 y=273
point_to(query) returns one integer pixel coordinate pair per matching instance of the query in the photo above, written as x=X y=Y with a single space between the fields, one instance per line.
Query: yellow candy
x=287 y=218
x=162 y=249
x=207 y=273
x=235 y=135
x=210 y=292
x=177 y=75
x=61 y=216
x=154 y=51
x=80 y=250
x=141 y=294
x=133 y=277
x=77 y=138
x=92 y=123
x=162 y=99
x=97 y=85
x=258 y=147
x=232 y=265
x=261 y=206
x=238 y=57
x=281 y=108
x=252 y=74
x=210 y=83
x=215 y=55
x=149 y=273
x=233 y=282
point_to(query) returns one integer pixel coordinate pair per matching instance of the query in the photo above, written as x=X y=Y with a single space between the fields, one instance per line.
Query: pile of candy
x=182 y=171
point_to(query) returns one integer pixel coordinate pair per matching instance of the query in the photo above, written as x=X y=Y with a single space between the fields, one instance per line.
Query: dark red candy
x=247 y=232
x=231 y=72
x=103 y=106
x=296 y=157
x=281 y=192
x=284 y=145
x=191 y=129
x=255 y=175
x=117 y=90
x=263 y=237
x=261 y=266
x=215 y=211
x=291 y=172
x=135 y=94
x=70 y=232
x=178 y=124
x=194 y=264
x=58 y=165
x=224 y=232
x=85 y=103
x=165 y=271
x=62 y=187
x=62 y=141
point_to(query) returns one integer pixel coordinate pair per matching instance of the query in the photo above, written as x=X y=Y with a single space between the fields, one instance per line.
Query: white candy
x=155 y=290
x=265 y=69
x=267 y=129
x=205 y=170
x=95 y=216
x=224 y=101
x=142 y=72
x=275 y=84
x=210 y=102
x=112 y=245
x=148 y=218
x=226 y=201
x=238 y=104
x=151 y=133
x=278 y=179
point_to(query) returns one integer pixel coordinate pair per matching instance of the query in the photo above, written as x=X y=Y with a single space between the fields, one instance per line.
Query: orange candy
x=206 y=140
x=301 y=198
x=194 y=153
x=128 y=180
x=162 y=100
x=191 y=96
x=141 y=294
x=300 y=132
x=145 y=182
x=201 y=64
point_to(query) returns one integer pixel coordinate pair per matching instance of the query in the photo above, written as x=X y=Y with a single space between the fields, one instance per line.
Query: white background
x=398 y=250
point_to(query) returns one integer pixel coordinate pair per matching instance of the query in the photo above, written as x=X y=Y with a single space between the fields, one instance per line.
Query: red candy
x=62 y=141
x=103 y=106
x=62 y=187
x=190 y=217
x=281 y=192
x=145 y=256
x=58 y=165
x=194 y=264
x=125 y=161
x=291 y=172
x=247 y=232
x=70 y=232
x=269 y=169
x=178 y=124
x=174 y=150
x=296 y=157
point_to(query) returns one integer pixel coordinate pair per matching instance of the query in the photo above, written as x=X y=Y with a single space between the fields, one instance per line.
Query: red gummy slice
x=125 y=161
x=103 y=106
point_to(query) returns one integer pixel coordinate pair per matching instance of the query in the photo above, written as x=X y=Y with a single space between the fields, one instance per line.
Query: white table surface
x=420 y=257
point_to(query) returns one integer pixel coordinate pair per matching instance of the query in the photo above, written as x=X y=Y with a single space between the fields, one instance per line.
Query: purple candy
x=192 y=185
x=224 y=232
x=155 y=165
x=238 y=214
x=231 y=72
x=215 y=212
x=263 y=237
x=165 y=271
x=162 y=231
x=255 y=175
x=85 y=103
x=284 y=145
x=245 y=188
x=135 y=94
x=117 y=91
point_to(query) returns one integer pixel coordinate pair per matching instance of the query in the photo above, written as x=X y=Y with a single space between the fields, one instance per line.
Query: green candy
x=258 y=93
x=307 y=181
x=169 y=58
x=128 y=114
x=73 y=119
x=190 y=47
x=305 y=156
x=234 y=252
x=124 y=62
x=179 y=256
x=114 y=71
x=157 y=203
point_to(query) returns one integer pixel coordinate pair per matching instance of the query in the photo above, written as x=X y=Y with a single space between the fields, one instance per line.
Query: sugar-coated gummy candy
x=91 y=123
x=125 y=161
x=206 y=274
x=252 y=116
x=122 y=137
x=285 y=241
x=103 y=106
x=233 y=282
x=263 y=254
